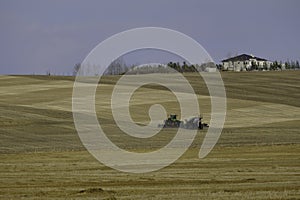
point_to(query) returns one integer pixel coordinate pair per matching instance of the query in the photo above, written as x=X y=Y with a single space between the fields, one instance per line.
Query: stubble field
x=257 y=156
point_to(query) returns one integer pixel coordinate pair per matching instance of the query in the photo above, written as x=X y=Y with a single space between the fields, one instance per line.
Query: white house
x=245 y=62
x=210 y=69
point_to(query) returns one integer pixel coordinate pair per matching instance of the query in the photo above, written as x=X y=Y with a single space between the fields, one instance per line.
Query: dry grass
x=264 y=172
x=257 y=156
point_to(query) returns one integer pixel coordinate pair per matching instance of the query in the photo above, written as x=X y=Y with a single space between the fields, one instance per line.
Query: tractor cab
x=172 y=122
x=173 y=117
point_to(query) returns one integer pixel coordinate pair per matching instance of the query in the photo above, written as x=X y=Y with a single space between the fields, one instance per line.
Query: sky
x=40 y=36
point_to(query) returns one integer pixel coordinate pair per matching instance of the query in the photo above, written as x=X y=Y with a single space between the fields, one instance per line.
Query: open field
x=257 y=156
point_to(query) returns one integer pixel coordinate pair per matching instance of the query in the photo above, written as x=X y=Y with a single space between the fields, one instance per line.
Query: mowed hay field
x=257 y=156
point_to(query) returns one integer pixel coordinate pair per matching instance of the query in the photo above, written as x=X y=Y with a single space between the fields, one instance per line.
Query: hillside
x=36 y=110
x=257 y=156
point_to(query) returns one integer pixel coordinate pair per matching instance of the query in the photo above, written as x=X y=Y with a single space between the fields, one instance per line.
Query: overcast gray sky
x=52 y=35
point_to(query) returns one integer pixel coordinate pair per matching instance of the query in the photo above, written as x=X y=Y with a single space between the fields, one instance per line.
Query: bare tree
x=117 y=67
x=76 y=68
x=48 y=73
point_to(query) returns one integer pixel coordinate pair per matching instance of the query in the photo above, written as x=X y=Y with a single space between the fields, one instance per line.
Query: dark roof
x=243 y=57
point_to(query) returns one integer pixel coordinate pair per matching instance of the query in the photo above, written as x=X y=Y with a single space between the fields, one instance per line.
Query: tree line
x=119 y=67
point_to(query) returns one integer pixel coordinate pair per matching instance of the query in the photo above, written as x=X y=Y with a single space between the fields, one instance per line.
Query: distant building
x=210 y=69
x=245 y=62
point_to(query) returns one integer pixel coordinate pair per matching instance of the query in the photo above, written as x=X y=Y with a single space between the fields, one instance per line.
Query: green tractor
x=172 y=122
